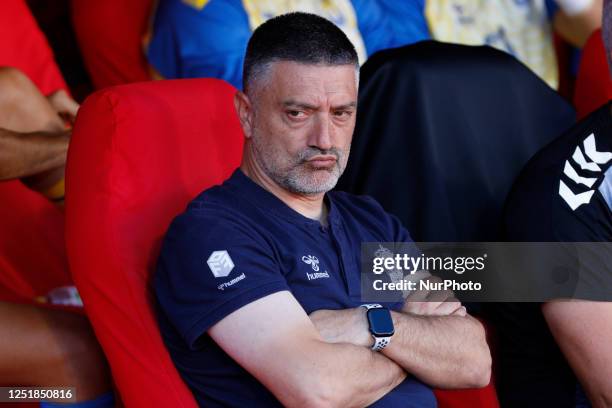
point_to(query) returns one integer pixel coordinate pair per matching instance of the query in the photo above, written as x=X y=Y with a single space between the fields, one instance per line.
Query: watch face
x=381 y=324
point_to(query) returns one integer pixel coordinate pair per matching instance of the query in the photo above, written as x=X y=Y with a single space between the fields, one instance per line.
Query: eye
x=343 y=114
x=295 y=114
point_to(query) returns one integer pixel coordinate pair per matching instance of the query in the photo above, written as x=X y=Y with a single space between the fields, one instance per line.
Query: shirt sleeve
x=199 y=42
x=209 y=267
x=587 y=232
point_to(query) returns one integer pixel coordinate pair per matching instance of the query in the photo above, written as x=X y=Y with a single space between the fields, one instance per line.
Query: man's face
x=302 y=123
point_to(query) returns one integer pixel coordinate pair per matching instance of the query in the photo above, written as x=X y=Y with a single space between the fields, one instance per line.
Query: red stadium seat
x=139 y=153
x=32 y=255
x=593 y=84
x=110 y=35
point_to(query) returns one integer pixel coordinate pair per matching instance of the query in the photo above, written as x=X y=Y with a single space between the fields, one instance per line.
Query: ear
x=244 y=109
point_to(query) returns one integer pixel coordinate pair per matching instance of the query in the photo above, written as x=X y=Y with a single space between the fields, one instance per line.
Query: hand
x=64 y=105
x=433 y=303
x=343 y=326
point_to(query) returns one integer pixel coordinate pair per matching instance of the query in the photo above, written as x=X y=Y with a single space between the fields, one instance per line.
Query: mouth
x=322 y=161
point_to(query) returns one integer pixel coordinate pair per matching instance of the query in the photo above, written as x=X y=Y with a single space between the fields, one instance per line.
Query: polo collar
x=268 y=202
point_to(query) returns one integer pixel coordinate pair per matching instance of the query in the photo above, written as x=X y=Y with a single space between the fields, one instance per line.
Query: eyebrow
x=295 y=104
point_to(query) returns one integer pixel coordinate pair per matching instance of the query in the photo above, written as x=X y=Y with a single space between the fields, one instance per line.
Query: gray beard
x=298 y=179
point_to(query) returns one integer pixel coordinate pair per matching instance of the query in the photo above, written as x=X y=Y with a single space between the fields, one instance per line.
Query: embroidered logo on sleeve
x=220 y=264
x=589 y=161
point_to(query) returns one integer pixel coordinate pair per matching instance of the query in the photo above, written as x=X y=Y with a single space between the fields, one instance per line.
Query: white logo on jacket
x=589 y=161
x=220 y=264
x=311 y=260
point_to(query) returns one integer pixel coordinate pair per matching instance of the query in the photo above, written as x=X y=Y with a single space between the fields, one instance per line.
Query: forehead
x=288 y=79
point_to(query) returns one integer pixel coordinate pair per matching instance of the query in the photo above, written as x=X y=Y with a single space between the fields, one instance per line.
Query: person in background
x=200 y=38
x=207 y=38
x=521 y=28
x=38 y=346
x=557 y=353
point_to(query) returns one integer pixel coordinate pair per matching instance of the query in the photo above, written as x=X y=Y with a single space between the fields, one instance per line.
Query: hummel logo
x=311 y=260
x=596 y=158
x=220 y=264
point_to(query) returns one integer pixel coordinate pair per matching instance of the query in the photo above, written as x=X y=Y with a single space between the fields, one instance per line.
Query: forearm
x=23 y=155
x=442 y=351
x=353 y=376
x=582 y=330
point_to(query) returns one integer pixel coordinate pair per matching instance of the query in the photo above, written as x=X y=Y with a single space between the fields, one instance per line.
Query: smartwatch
x=381 y=325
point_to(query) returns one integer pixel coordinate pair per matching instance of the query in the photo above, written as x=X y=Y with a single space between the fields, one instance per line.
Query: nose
x=322 y=132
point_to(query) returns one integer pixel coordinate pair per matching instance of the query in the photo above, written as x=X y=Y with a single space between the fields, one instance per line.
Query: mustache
x=311 y=152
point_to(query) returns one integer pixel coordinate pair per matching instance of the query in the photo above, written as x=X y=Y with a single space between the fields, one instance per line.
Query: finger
x=418 y=295
x=440 y=296
x=424 y=308
x=447 y=308
x=462 y=311
x=69 y=106
x=63 y=103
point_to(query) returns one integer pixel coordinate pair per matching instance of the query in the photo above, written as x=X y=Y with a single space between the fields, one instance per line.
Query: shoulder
x=561 y=191
x=217 y=213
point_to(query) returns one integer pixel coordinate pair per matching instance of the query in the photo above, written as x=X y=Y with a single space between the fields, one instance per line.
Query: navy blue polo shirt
x=236 y=243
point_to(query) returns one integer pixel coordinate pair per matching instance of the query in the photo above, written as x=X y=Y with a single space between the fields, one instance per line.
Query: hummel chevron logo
x=591 y=151
x=595 y=158
x=220 y=264
x=584 y=165
x=574 y=200
x=571 y=173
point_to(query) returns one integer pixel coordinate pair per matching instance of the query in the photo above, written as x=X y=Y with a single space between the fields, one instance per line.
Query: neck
x=309 y=205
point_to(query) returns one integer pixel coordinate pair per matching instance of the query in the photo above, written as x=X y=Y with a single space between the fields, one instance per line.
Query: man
x=258 y=281
x=551 y=352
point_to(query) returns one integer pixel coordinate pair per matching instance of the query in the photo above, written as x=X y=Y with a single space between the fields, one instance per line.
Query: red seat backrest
x=110 y=35
x=139 y=154
x=593 y=84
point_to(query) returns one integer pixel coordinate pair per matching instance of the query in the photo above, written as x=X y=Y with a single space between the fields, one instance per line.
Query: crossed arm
x=274 y=339
x=325 y=359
